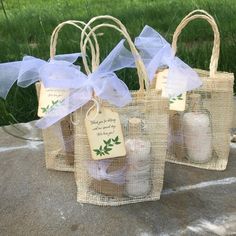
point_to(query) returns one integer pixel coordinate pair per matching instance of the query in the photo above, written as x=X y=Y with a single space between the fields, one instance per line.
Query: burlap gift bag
x=138 y=176
x=200 y=136
x=58 y=144
x=59 y=138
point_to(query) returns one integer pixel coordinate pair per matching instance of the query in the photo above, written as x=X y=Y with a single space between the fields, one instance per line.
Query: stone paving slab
x=36 y=201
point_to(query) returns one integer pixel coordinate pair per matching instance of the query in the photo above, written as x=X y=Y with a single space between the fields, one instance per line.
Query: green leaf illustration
x=108 y=146
x=173 y=99
x=55 y=102
x=105 y=142
x=50 y=107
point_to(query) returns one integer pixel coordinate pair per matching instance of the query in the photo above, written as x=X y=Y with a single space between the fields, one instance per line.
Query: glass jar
x=138 y=175
x=197 y=131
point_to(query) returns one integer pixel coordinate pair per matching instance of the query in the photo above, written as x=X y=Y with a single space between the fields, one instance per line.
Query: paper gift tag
x=161 y=81
x=176 y=103
x=50 y=97
x=105 y=134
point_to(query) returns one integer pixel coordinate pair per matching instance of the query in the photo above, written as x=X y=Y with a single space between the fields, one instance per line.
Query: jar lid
x=134 y=126
x=195 y=102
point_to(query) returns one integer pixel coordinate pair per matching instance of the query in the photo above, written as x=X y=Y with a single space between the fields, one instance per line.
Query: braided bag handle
x=79 y=25
x=201 y=14
x=142 y=74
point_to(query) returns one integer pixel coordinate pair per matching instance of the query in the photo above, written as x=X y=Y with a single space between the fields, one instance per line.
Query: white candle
x=138 y=175
x=197 y=136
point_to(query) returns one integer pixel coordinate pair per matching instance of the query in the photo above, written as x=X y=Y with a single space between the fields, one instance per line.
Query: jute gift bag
x=59 y=138
x=59 y=149
x=200 y=136
x=138 y=175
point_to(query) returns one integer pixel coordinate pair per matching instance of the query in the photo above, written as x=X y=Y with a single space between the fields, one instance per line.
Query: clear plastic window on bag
x=200 y=136
x=59 y=144
x=136 y=177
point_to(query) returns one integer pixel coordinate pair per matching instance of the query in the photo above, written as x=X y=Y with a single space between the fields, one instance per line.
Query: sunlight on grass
x=28 y=25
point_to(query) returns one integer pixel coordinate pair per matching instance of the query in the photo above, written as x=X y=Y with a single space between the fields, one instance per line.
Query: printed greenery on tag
x=175 y=103
x=178 y=103
x=174 y=99
x=108 y=146
x=105 y=134
x=49 y=98
x=49 y=107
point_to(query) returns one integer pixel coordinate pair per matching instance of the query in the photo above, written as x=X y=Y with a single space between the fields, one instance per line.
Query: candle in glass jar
x=197 y=132
x=138 y=175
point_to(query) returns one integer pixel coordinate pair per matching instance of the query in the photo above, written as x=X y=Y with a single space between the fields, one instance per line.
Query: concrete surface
x=35 y=201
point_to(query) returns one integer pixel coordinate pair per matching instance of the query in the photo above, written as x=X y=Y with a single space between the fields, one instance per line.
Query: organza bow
x=57 y=73
x=157 y=52
x=103 y=82
x=99 y=170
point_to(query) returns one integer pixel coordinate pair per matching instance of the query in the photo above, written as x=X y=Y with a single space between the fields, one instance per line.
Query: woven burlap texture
x=147 y=105
x=217 y=97
x=152 y=110
x=58 y=144
x=59 y=138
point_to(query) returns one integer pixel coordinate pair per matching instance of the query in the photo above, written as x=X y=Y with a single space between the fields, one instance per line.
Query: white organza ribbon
x=8 y=75
x=98 y=170
x=103 y=82
x=156 y=52
x=56 y=73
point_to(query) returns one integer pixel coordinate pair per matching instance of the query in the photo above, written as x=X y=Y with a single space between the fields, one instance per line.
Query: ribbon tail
x=156 y=52
x=110 y=88
x=160 y=59
x=8 y=76
x=117 y=177
x=181 y=78
x=98 y=170
x=71 y=58
x=118 y=58
x=29 y=71
x=149 y=43
x=61 y=76
x=77 y=99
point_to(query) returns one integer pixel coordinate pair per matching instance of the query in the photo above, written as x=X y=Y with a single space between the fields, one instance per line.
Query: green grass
x=27 y=25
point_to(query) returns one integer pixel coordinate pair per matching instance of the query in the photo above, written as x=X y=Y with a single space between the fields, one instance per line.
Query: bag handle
x=94 y=51
x=201 y=14
x=142 y=74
